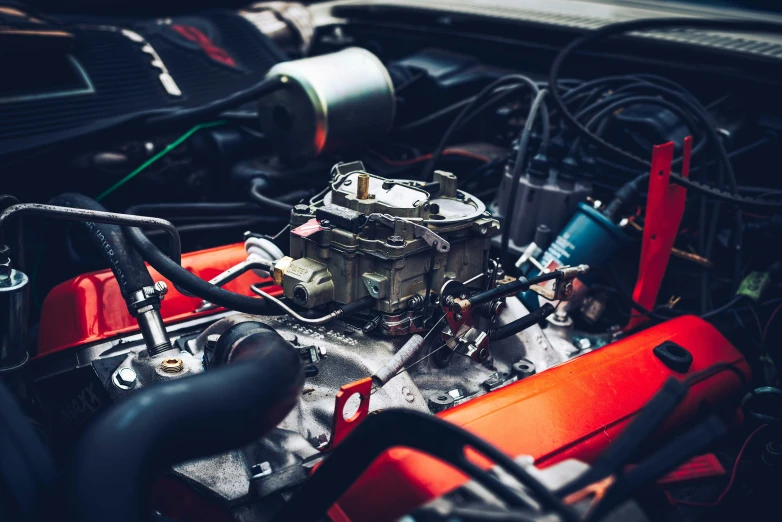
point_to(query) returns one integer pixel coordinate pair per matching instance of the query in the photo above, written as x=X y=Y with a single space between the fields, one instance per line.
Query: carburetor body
x=396 y=241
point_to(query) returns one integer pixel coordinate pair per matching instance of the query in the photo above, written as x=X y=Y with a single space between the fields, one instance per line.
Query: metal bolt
x=497 y=307
x=172 y=365
x=321 y=440
x=301 y=209
x=395 y=241
x=161 y=288
x=211 y=340
x=567 y=290
x=126 y=378
x=458 y=317
x=371 y=325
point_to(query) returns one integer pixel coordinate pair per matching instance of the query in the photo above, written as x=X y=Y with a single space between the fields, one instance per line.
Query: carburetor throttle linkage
x=459 y=306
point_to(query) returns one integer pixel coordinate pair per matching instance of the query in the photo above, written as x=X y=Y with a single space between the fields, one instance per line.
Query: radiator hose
x=121 y=453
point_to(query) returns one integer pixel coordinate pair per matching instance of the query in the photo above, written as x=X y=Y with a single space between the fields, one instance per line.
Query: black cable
x=190 y=116
x=606 y=109
x=638 y=25
x=157 y=120
x=383 y=430
x=710 y=126
x=445 y=111
x=488 y=90
x=179 y=209
x=272 y=204
x=724 y=308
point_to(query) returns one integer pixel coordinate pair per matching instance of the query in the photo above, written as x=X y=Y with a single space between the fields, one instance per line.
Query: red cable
x=768 y=324
x=727 y=489
x=412 y=161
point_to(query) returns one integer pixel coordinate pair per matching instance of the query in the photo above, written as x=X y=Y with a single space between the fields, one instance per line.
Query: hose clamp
x=146 y=299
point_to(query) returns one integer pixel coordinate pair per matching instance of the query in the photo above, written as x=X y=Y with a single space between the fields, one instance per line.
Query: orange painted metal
x=341 y=426
x=571 y=411
x=90 y=307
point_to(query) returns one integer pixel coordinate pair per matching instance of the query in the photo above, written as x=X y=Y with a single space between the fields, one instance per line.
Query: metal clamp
x=148 y=298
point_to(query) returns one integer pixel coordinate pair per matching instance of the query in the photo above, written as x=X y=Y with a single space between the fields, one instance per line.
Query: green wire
x=174 y=144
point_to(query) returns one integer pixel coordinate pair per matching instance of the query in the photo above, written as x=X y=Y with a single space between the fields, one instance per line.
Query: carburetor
x=394 y=240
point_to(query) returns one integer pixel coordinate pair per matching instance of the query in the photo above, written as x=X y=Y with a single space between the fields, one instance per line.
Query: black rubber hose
x=120 y=454
x=194 y=284
x=128 y=266
x=522 y=323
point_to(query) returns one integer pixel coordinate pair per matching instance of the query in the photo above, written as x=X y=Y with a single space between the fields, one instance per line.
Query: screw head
x=125 y=378
x=161 y=288
x=567 y=290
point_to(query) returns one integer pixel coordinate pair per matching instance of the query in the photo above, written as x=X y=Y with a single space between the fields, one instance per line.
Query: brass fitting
x=280 y=268
x=172 y=365
x=362 y=188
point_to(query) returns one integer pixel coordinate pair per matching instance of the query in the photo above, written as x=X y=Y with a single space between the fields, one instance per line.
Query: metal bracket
x=419 y=231
x=471 y=343
x=664 y=211
x=340 y=426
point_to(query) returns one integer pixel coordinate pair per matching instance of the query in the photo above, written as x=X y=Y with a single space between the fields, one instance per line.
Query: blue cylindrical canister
x=589 y=238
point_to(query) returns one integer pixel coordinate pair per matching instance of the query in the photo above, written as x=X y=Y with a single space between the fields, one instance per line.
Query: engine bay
x=389 y=260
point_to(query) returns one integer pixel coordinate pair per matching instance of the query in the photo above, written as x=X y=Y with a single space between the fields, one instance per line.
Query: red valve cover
x=90 y=307
x=571 y=411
